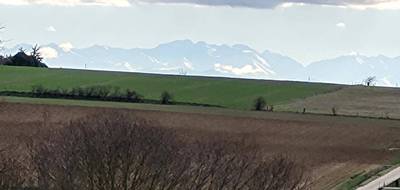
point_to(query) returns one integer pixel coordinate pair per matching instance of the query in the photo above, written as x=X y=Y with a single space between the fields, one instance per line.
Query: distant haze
x=305 y=30
x=185 y=57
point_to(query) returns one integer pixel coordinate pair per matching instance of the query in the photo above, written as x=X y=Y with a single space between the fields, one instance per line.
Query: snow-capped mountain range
x=185 y=57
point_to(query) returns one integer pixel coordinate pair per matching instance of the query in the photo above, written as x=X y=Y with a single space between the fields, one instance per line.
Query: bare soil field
x=353 y=100
x=332 y=148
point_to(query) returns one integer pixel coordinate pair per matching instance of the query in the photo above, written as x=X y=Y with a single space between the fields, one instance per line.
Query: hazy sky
x=306 y=30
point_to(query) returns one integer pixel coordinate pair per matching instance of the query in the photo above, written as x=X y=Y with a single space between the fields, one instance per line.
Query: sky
x=306 y=30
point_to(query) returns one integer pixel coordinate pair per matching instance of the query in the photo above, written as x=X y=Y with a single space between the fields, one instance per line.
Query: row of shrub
x=114 y=152
x=113 y=93
x=91 y=92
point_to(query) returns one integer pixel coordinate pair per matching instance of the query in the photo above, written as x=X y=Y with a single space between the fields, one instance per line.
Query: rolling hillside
x=226 y=92
x=352 y=101
x=205 y=59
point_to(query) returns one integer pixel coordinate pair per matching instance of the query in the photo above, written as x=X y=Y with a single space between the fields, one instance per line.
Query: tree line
x=33 y=59
x=97 y=92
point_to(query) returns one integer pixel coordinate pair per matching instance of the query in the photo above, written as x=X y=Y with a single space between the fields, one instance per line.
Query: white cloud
x=51 y=29
x=290 y=4
x=15 y=2
x=268 y=4
x=247 y=69
x=383 y=5
x=259 y=4
x=341 y=25
x=119 y=3
x=66 y=46
x=129 y=66
x=48 y=53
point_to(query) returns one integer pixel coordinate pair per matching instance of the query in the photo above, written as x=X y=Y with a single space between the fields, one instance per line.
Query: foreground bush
x=13 y=171
x=114 y=153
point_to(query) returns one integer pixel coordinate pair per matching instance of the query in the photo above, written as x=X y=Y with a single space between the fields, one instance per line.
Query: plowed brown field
x=333 y=148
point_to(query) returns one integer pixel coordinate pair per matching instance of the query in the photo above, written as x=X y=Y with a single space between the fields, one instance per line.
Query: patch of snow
x=153 y=59
x=359 y=60
x=170 y=68
x=353 y=53
x=247 y=69
x=387 y=82
x=128 y=66
x=263 y=65
x=188 y=64
x=211 y=50
x=118 y=64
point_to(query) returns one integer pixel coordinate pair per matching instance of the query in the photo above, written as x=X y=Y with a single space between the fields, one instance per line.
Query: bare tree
x=182 y=71
x=370 y=81
x=1 y=46
x=36 y=53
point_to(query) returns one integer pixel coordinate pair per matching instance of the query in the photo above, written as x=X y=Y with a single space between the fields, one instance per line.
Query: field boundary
x=146 y=101
x=182 y=108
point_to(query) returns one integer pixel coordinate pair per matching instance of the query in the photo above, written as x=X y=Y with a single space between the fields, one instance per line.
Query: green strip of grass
x=135 y=106
x=362 y=177
x=225 y=92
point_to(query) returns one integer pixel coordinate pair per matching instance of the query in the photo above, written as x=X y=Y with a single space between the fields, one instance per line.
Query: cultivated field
x=352 y=100
x=231 y=93
x=332 y=148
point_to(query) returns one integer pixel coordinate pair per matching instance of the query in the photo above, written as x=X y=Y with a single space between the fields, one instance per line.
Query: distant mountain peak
x=238 y=60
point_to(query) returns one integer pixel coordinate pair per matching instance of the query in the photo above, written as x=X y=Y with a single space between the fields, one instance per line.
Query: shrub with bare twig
x=116 y=152
x=13 y=171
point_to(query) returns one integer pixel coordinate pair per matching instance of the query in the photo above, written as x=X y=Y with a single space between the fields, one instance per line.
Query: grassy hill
x=379 y=102
x=231 y=93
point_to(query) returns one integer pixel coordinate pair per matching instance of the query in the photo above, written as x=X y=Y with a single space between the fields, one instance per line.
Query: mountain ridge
x=240 y=61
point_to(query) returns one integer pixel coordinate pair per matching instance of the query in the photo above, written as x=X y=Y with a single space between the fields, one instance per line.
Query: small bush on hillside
x=166 y=98
x=133 y=96
x=271 y=108
x=116 y=92
x=38 y=89
x=103 y=91
x=370 y=81
x=334 y=111
x=259 y=104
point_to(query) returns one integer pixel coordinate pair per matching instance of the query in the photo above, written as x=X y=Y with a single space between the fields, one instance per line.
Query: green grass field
x=230 y=93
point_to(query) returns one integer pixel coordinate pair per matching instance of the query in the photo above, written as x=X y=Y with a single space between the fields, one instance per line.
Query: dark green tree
x=259 y=104
x=166 y=98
